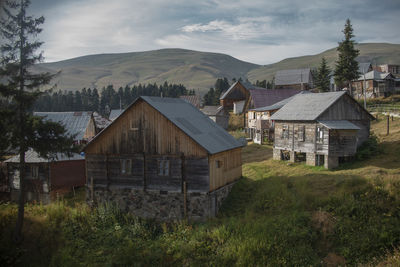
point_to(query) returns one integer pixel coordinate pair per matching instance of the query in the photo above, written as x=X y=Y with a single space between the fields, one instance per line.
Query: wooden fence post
x=91 y=189
x=387 y=133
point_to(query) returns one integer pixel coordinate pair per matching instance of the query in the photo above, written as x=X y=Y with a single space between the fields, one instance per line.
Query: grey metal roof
x=211 y=110
x=339 y=125
x=293 y=76
x=191 y=121
x=374 y=75
x=115 y=114
x=32 y=156
x=266 y=97
x=279 y=104
x=364 y=67
x=74 y=122
x=307 y=107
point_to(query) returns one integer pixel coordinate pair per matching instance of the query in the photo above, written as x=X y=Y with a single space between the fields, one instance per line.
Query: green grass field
x=278 y=214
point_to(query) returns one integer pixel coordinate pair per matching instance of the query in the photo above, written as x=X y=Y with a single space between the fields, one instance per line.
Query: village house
x=46 y=178
x=376 y=84
x=261 y=127
x=300 y=79
x=163 y=158
x=195 y=100
x=218 y=114
x=81 y=124
x=322 y=129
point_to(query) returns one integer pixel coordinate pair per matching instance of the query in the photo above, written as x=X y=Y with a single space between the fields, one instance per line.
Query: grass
x=278 y=214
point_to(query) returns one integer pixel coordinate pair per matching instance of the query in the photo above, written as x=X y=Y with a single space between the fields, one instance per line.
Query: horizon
x=257 y=32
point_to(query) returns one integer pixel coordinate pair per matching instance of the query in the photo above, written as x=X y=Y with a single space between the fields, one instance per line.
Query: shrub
x=369 y=148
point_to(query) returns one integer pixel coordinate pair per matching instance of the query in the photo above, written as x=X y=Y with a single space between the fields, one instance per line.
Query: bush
x=369 y=148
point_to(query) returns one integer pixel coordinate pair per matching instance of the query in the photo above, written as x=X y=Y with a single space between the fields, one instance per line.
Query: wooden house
x=235 y=97
x=46 y=178
x=81 y=124
x=261 y=127
x=300 y=79
x=218 y=114
x=163 y=158
x=375 y=83
x=195 y=100
x=322 y=129
x=261 y=98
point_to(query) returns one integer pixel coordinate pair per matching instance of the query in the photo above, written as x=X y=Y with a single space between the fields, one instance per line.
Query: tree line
x=108 y=98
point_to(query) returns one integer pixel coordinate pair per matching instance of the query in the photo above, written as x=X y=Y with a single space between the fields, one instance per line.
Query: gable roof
x=340 y=125
x=363 y=67
x=32 y=156
x=74 y=122
x=191 y=121
x=375 y=75
x=266 y=97
x=211 y=110
x=307 y=107
x=246 y=85
x=195 y=100
x=293 y=76
x=114 y=113
x=279 y=104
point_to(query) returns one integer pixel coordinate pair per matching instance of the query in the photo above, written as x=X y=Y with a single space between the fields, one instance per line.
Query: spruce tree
x=323 y=76
x=346 y=66
x=20 y=87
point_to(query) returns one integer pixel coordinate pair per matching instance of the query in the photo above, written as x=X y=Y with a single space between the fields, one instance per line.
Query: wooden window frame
x=301 y=133
x=35 y=172
x=163 y=167
x=126 y=166
x=285 y=131
x=319 y=135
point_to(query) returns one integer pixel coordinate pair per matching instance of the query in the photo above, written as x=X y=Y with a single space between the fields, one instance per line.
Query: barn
x=321 y=129
x=163 y=158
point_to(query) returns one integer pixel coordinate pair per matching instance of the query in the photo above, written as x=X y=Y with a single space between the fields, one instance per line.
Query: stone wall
x=162 y=205
x=310 y=159
x=276 y=154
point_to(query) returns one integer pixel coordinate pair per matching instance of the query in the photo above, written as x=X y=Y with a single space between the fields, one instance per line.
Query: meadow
x=278 y=214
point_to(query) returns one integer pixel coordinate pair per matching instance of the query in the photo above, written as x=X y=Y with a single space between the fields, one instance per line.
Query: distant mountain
x=196 y=70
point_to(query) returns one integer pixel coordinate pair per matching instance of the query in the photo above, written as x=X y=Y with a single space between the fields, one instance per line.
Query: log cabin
x=45 y=179
x=323 y=129
x=163 y=158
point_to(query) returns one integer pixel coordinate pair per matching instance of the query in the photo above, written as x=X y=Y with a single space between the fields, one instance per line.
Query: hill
x=191 y=68
x=376 y=53
x=195 y=70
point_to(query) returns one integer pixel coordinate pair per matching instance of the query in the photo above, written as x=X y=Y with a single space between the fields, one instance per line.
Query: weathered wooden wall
x=227 y=170
x=239 y=92
x=142 y=129
x=342 y=142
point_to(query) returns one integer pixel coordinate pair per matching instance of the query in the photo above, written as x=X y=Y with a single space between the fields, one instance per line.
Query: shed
x=238 y=92
x=163 y=158
x=322 y=129
x=218 y=114
x=81 y=123
x=45 y=178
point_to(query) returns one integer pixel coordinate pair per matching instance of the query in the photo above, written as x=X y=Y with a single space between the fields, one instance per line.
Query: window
x=126 y=166
x=163 y=167
x=320 y=135
x=133 y=127
x=285 y=132
x=35 y=172
x=300 y=134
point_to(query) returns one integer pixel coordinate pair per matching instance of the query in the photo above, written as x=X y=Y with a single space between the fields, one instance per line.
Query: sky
x=257 y=31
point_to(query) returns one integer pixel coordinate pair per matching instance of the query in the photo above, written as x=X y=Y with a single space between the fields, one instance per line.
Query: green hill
x=196 y=70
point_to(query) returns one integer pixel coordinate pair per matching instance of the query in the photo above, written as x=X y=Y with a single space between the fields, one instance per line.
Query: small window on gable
x=126 y=166
x=301 y=133
x=163 y=167
x=320 y=135
x=285 y=132
x=219 y=164
x=133 y=126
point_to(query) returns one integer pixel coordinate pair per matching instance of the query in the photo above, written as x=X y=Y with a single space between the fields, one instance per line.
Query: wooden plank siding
x=142 y=129
x=228 y=170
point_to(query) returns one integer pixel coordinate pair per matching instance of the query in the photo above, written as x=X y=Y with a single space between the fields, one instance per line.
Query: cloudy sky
x=258 y=31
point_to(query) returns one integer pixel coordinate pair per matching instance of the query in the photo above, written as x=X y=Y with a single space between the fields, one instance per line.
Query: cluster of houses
x=170 y=158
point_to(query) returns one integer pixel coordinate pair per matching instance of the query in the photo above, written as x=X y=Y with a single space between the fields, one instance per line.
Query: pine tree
x=20 y=88
x=323 y=76
x=346 y=66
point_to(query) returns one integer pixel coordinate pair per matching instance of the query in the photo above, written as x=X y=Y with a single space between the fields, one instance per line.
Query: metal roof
x=266 y=97
x=339 y=125
x=293 y=76
x=195 y=100
x=307 y=107
x=279 y=104
x=32 y=156
x=191 y=121
x=74 y=122
x=211 y=110
x=363 y=67
x=374 y=75
x=115 y=114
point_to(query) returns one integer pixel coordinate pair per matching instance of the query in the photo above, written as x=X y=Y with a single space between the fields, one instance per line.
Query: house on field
x=375 y=83
x=259 y=98
x=392 y=68
x=218 y=114
x=236 y=96
x=46 y=178
x=163 y=158
x=81 y=124
x=300 y=79
x=195 y=100
x=322 y=129
x=261 y=127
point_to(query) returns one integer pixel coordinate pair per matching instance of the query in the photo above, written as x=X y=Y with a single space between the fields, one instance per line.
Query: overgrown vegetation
x=278 y=214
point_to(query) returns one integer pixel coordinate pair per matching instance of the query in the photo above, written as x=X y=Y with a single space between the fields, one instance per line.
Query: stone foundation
x=276 y=154
x=163 y=205
x=310 y=159
x=292 y=156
